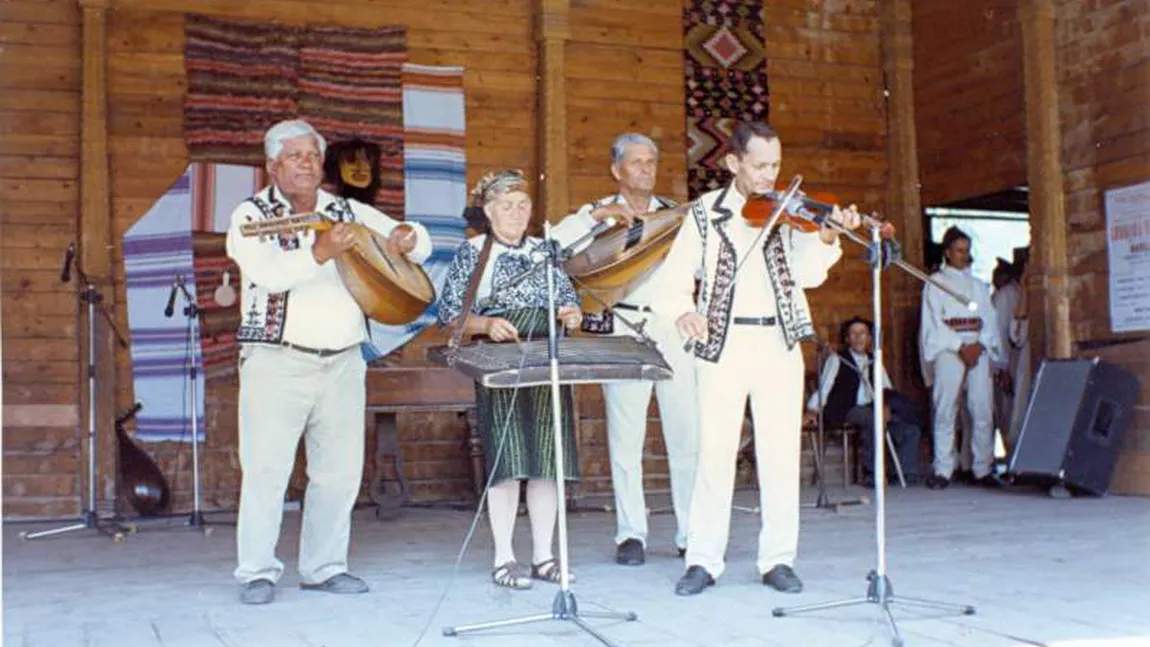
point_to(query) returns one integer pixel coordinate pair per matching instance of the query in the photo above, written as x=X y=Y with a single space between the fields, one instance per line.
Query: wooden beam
x=96 y=242
x=903 y=202
x=1047 y=287
x=551 y=35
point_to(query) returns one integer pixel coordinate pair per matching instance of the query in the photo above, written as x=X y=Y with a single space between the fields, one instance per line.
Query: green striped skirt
x=515 y=424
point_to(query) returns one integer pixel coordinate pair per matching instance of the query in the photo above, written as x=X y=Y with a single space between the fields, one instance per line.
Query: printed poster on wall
x=1128 y=248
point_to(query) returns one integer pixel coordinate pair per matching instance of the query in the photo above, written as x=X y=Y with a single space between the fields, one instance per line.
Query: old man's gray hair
x=619 y=146
x=275 y=137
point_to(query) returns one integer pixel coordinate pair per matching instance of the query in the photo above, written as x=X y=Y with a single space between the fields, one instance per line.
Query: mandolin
x=388 y=287
x=619 y=258
x=147 y=490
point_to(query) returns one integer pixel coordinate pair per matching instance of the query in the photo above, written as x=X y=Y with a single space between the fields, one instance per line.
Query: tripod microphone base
x=88 y=521
x=824 y=502
x=881 y=592
x=564 y=607
x=196 y=520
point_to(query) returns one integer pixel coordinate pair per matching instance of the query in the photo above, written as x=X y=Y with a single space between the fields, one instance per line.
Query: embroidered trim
x=266 y=326
x=964 y=324
x=722 y=296
x=793 y=311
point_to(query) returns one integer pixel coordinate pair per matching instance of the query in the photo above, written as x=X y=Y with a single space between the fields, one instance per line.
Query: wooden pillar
x=1047 y=287
x=903 y=202
x=551 y=34
x=96 y=243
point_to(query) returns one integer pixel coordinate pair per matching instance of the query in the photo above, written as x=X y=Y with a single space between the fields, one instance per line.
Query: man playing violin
x=301 y=369
x=745 y=331
x=634 y=160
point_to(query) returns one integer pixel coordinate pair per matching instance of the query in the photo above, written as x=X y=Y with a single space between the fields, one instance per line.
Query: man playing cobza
x=301 y=368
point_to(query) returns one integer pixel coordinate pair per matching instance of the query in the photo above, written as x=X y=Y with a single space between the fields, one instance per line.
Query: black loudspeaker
x=1078 y=412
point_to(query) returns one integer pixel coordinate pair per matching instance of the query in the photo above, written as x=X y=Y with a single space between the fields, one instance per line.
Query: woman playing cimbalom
x=515 y=424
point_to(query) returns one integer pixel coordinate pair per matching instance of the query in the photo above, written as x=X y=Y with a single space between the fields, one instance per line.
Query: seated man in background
x=845 y=395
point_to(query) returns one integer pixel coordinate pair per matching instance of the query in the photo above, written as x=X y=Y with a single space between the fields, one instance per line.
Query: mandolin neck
x=309 y=220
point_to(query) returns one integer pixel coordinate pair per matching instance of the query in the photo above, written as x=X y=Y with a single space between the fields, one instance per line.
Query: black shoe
x=682 y=553
x=990 y=481
x=937 y=482
x=782 y=578
x=965 y=477
x=630 y=553
x=694 y=581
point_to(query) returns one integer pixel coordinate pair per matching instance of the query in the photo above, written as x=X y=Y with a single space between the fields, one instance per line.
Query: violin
x=805 y=212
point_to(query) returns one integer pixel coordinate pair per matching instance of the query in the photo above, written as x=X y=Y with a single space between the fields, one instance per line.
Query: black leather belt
x=628 y=306
x=319 y=352
x=754 y=321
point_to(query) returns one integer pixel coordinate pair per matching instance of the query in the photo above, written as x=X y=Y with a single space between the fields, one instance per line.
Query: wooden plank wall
x=968 y=98
x=39 y=191
x=624 y=72
x=1104 y=90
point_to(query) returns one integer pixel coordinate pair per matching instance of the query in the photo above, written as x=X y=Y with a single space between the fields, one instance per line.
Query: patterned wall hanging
x=243 y=77
x=726 y=80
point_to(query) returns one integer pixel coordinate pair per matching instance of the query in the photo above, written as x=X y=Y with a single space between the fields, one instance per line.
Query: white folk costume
x=756 y=319
x=627 y=402
x=301 y=373
x=946 y=326
x=1009 y=406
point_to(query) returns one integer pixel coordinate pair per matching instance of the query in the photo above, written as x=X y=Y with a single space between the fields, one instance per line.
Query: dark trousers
x=904 y=435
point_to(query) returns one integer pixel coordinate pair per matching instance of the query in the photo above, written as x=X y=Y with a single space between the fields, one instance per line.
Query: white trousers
x=284 y=394
x=627 y=404
x=755 y=363
x=949 y=376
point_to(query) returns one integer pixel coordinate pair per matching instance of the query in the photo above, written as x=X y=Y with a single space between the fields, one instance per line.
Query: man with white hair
x=634 y=160
x=301 y=368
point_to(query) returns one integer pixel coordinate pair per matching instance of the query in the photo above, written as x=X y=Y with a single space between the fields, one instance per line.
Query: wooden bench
x=395 y=390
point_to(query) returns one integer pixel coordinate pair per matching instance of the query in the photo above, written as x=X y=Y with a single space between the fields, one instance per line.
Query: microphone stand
x=192 y=314
x=564 y=607
x=879 y=590
x=89 y=518
x=823 y=500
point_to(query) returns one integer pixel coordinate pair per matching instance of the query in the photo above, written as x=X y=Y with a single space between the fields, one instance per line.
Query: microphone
x=171 y=307
x=66 y=271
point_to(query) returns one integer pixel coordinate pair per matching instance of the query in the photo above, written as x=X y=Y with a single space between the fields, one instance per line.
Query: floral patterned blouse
x=505 y=262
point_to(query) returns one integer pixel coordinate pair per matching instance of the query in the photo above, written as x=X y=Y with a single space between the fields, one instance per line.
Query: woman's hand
x=500 y=329
x=571 y=317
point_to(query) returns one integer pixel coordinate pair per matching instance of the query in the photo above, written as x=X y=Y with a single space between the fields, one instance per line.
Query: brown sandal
x=549 y=571
x=508 y=576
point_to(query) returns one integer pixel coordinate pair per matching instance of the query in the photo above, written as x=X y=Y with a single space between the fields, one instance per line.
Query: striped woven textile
x=725 y=74
x=243 y=77
x=350 y=87
x=157 y=250
x=173 y=239
x=435 y=179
